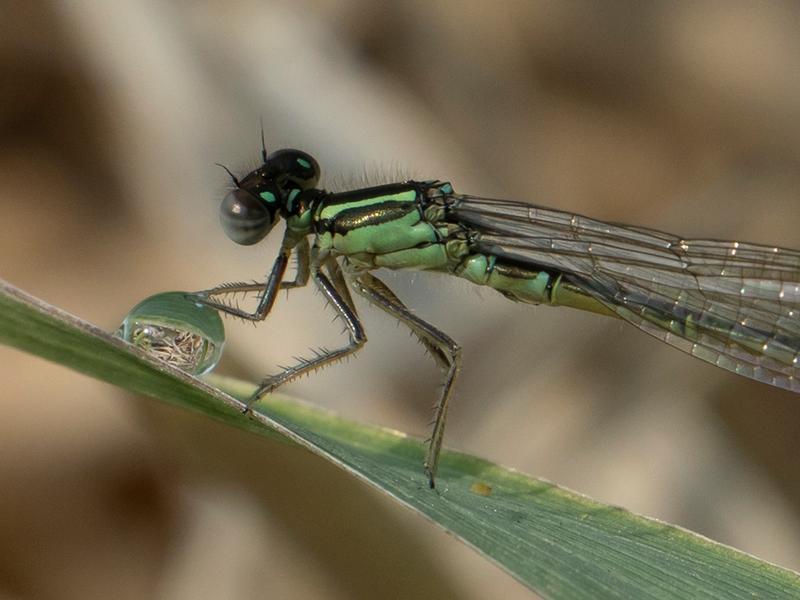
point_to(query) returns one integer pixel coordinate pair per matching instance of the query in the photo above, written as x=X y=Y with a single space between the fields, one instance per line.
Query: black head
x=261 y=197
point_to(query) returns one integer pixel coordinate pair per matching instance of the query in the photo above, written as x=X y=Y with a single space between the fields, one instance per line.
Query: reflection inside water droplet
x=177 y=329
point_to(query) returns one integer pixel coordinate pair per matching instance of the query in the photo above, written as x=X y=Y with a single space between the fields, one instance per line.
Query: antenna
x=263 y=144
x=228 y=171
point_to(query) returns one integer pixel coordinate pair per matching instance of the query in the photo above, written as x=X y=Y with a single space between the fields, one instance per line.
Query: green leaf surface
x=559 y=543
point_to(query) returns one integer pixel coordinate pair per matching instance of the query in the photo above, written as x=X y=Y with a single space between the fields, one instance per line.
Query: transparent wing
x=733 y=304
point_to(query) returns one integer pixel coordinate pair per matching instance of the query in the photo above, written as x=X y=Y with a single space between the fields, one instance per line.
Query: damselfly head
x=252 y=208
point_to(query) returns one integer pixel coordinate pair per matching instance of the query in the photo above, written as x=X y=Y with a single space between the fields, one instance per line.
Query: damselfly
x=733 y=304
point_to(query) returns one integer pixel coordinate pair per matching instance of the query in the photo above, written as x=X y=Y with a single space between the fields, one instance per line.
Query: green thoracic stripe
x=331 y=210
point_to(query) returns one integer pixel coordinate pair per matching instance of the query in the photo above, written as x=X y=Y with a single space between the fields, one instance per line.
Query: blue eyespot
x=268 y=197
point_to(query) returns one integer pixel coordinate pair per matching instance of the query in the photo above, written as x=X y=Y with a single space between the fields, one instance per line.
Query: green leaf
x=559 y=543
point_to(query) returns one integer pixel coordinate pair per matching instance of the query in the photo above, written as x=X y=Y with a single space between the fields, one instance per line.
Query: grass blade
x=559 y=543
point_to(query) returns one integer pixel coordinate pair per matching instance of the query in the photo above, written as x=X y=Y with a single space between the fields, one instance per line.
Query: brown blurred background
x=683 y=116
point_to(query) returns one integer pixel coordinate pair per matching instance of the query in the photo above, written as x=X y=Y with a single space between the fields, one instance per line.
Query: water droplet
x=176 y=328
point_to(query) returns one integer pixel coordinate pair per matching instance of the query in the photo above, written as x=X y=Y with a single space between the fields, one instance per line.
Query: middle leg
x=345 y=310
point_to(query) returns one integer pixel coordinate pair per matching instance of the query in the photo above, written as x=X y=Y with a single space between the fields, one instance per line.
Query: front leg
x=302 y=255
x=269 y=289
x=267 y=299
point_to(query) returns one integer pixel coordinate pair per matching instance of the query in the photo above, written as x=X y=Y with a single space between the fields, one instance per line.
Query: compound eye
x=245 y=218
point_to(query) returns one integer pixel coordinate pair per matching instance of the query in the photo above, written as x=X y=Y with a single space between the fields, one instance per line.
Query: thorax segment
x=395 y=226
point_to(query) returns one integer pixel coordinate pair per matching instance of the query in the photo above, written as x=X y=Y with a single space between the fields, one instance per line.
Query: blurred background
x=681 y=116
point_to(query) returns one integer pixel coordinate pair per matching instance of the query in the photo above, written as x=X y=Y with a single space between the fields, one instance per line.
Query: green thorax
x=392 y=226
x=406 y=226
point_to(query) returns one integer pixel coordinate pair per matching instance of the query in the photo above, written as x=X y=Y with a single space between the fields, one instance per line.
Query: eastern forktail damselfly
x=733 y=304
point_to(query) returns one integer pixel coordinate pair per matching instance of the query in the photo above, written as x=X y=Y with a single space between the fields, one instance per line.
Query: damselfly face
x=252 y=208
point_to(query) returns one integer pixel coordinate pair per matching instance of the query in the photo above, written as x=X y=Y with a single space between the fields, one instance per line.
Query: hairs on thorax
x=370 y=175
